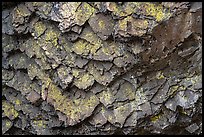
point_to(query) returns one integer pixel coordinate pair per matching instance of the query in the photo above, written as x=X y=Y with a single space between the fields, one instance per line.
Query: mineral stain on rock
x=101 y=68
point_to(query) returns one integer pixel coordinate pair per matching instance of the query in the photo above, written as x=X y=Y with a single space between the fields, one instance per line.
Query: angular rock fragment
x=7 y=75
x=106 y=97
x=125 y=92
x=18 y=61
x=102 y=25
x=125 y=60
x=131 y=121
x=9 y=110
x=81 y=62
x=22 y=83
x=192 y=128
x=9 y=43
x=184 y=99
x=75 y=110
x=6 y=125
x=65 y=76
x=84 y=81
x=89 y=35
x=121 y=113
x=39 y=28
x=96 y=88
x=99 y=119
x=104 y=78
x=7 y=27
x=20 y=16
x=130 y=26
x=40 y=127
x=161 y=94
x=76 y=13
x=33 y=97
x=43 y=9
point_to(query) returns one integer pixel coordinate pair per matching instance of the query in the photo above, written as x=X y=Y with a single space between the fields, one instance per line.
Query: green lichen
x=9 y=110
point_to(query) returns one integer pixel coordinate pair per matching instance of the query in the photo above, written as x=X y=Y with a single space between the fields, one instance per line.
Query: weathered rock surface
x=101 y=68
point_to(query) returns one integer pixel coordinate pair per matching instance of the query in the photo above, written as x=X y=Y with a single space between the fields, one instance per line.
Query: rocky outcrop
x=101 y=68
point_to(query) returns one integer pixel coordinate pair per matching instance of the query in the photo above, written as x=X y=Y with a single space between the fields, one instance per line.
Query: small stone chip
x=192 y=128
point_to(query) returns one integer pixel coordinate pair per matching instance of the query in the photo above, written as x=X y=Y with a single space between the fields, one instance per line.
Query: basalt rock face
x=101 y=68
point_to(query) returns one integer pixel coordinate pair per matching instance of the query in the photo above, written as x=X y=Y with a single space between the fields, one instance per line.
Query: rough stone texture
x=74 y=68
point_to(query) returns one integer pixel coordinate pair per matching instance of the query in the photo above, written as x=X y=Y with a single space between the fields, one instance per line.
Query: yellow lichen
x=176 y=88
x=130 y=7
x=83 y=47
x=39 y=28
x=83 y=13
x=21 y=12
x=8 y=124
x=75 y=72
x=79 y=47
x=101 y=24
x=70 y=107
x=142 y=24
x=106 y=50
x=90 y=102
x=173 y=89
x=117 y=10
x=9 y=110
x=17 y=102
x=47 y=8
x=182 y=111
x=106 y=97
x=122 y=24
x=84 y=81
x=77 y=102
x=157 y=11
x=40 y=123
x=160 y=75
x=52 y=36
x=155 y=118
x=85 y=78
x=94 y=41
